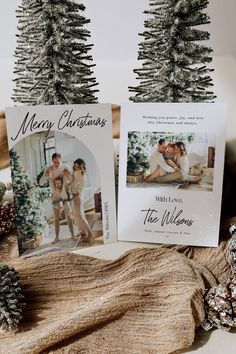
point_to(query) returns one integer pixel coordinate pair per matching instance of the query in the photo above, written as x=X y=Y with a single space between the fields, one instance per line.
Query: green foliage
x=43 y=193
x=137 y=161
x=154 y=137
x=29 y=217
x=174 y=66
x=46 y=184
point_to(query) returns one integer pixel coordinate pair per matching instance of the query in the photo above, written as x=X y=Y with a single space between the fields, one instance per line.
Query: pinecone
x=231 y=249
x=11 y=298
x=3 y=189
x=221 y=306
x=220 y=301
x=7 y=217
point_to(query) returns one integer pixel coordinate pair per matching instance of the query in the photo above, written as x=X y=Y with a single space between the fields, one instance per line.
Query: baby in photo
x=60 y=197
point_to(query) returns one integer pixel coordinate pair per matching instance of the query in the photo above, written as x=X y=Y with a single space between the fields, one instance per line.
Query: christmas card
x=63 y=176
x=171 y=173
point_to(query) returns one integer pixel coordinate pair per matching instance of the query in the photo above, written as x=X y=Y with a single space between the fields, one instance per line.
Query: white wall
x=71 y=149
x=30 y=151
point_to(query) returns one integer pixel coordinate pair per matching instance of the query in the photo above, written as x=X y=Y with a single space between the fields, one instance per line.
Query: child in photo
x=77 y=182
x=60 y=203
x=59 y=194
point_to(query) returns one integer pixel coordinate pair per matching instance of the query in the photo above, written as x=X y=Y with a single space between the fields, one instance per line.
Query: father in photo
x=54 y=172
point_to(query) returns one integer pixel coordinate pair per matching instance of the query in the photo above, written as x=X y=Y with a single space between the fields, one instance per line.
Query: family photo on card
x=171 y=160
x=59 y=178
x=170 y=168
x=171 y=173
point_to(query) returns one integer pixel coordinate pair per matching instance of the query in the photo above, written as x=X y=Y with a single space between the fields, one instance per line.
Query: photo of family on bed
x=170 y=160
x=63 y=183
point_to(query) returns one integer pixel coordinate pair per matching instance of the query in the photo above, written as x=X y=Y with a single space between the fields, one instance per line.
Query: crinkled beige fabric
x=147 y=301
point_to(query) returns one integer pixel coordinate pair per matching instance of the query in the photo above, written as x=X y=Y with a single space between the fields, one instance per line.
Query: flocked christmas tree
x=29 y=218
x=23 y=53
x=53 y=64
x=137 y=159
x=175 y=66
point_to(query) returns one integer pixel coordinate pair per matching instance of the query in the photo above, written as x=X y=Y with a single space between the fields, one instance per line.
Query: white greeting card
x=63 y=176
x=171 y=173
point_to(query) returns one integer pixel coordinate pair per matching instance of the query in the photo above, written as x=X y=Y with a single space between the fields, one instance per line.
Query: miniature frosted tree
x=53 y=64
x=175 y=67
x=26 y=40
x=29 y=217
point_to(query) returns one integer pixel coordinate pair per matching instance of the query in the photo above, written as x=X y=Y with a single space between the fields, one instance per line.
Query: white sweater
x=77 y=184
x=182 y=162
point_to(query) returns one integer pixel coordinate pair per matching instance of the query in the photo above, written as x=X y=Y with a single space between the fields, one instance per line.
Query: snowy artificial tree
x=137 y=159
x=53 y=64
x=30 y=221
x=26 y=40
x=175 y=65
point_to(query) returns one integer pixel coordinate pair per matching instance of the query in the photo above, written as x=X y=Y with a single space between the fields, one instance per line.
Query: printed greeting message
x=173 y=120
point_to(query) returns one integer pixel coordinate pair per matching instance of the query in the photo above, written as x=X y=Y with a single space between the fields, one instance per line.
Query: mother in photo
x=77 y=182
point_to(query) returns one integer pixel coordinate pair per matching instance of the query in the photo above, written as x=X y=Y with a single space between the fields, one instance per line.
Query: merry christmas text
x=66 y=120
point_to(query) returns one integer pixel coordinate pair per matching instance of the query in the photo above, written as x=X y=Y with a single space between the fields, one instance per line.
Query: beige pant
x=57 y=215
x=80 y=219
x=170 y=177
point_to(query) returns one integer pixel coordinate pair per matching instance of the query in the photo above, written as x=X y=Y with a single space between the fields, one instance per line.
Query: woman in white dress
x=76 y=179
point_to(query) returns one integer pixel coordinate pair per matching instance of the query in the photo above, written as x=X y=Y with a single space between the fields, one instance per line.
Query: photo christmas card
x=63 y=176
x=171 y=173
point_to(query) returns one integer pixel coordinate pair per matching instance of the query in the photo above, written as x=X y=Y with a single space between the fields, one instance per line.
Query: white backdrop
x=114 y=27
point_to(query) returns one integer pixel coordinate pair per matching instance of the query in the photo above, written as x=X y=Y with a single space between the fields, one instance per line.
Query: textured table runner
x=146 y=301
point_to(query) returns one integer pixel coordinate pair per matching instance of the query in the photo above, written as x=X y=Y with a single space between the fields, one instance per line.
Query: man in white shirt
x=166 y=172
x=57 y=170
